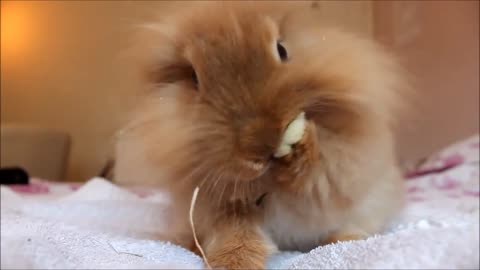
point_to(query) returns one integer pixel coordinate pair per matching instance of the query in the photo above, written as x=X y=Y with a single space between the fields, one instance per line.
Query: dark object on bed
x=13 y=176
x=41 y=151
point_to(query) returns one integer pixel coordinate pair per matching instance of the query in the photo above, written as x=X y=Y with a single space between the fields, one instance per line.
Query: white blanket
x=102 y=226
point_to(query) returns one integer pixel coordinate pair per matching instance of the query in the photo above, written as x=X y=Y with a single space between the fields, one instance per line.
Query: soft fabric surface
x=99 y=225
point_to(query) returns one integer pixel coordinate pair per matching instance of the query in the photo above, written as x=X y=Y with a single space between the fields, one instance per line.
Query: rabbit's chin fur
x=220 y=99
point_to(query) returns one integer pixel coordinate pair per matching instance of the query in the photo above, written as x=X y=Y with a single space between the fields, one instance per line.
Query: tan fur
x=238 y=245
x=340 y=181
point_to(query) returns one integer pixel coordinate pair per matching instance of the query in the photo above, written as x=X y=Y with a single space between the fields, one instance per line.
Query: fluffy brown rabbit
x=226 y=81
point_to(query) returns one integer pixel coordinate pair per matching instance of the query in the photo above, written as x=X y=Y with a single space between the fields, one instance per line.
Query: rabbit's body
x=225 y=90
x=323 y=225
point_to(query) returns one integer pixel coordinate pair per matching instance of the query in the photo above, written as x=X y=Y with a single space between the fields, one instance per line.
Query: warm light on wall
x=15 y=24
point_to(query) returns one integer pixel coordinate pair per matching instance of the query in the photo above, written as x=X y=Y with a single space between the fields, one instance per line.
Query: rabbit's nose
x=258 y=140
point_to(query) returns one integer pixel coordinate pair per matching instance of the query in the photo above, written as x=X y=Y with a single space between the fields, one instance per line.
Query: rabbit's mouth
x=251 y=170
x=254 y=165
x=260 y=199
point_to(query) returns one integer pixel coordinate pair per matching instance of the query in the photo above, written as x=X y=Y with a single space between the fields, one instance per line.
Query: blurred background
x=67 y=80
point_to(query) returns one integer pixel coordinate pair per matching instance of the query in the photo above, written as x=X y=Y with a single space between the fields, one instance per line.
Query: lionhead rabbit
x=227 y=80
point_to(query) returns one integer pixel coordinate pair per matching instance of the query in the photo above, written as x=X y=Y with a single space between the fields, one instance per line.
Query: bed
x=100 y=225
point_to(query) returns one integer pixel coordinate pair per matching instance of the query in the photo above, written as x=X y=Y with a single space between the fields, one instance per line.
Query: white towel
x=73 y=233
x=99 y=226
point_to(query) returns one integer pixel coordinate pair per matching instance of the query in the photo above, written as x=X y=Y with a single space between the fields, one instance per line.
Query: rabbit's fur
x=220 y=99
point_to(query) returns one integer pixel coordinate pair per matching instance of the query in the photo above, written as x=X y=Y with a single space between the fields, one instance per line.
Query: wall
x=438 y=41
x=65 y=66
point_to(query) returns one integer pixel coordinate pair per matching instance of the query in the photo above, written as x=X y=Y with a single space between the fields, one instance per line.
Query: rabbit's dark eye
x=282 y=52
x=194 y=78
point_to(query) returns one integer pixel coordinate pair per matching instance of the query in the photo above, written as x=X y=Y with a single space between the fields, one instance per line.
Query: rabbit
x=224 y=81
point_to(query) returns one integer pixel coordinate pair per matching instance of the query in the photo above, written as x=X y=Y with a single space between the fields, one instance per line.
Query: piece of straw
x=192 y=207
